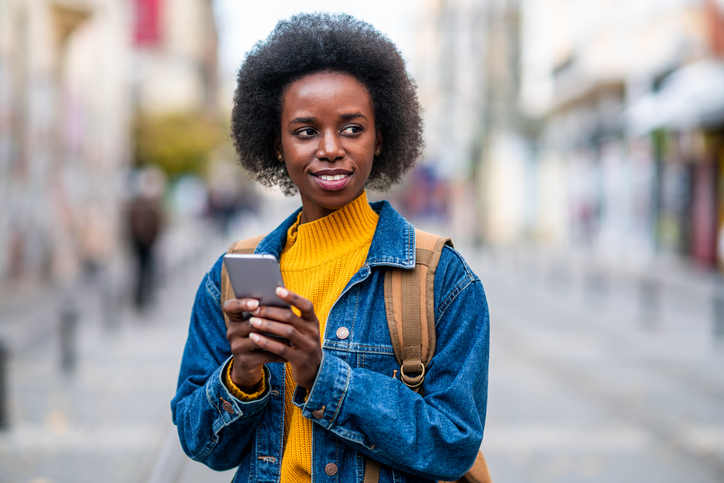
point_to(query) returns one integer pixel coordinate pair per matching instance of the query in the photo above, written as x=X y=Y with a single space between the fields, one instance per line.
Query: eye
x=352 y=130
x=306 y=132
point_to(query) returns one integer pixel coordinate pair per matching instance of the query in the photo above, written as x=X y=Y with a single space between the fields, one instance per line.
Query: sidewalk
x=107 y=418
x=586 y=384
x=583 y=382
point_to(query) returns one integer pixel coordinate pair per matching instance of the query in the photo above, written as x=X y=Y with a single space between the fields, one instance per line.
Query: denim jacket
x=358 y=404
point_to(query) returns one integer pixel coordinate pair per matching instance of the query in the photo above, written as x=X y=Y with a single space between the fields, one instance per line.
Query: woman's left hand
x=305 y=351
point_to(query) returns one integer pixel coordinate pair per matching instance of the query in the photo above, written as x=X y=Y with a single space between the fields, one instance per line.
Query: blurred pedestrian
x=145 y=222
x=223 y=206
x=325 y=107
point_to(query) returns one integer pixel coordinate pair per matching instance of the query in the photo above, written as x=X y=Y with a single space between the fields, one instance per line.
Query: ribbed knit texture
x=318 y=260
x=238 y=393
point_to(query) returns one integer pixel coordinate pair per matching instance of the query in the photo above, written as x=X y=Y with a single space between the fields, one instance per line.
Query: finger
x=304 y=339
x=239 y=328
x=238 y=335
x=284 y=330
x=278 y=314
x=240 y=344
x=233 y=306
x=257 y=358
x=306 y=308
x=270 y=345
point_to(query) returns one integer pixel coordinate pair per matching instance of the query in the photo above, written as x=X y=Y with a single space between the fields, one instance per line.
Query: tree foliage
x=178 y=143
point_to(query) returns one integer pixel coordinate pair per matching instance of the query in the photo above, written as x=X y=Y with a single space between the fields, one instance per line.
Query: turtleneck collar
x=343 y=231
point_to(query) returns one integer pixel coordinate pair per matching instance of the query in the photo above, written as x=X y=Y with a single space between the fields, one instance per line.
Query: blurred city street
x=574 y=153
x=585 y=384
x=104 y=415
x=588 y=385
x=100 y=411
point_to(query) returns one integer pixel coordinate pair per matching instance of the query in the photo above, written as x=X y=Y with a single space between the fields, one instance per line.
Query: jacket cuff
x=229 y=408
x=324 y=401
x=236 y=391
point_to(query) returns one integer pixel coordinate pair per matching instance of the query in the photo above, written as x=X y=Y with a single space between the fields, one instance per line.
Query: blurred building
x=450 y=72
x=175 y=59
x=73 y=74
x=176 y=95
x=64 y=125
x=630 y=94
x=503 y=176
x=468 y=54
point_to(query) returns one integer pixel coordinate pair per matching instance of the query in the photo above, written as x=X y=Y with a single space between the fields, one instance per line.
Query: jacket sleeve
x=435 y=435
x=214 y=427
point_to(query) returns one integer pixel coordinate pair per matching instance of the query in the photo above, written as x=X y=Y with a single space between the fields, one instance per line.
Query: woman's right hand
x=249 y=360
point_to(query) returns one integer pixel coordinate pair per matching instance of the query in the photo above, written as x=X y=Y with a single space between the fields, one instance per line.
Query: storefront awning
x=691 y=97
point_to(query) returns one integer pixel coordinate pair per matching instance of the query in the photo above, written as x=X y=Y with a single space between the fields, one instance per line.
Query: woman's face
x=328 y=140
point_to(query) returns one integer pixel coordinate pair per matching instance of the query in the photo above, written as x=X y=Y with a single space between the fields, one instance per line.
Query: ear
x=278 y=150
x=378 y=142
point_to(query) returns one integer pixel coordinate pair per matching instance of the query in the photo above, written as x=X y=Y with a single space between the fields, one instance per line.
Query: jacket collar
x=393 y=243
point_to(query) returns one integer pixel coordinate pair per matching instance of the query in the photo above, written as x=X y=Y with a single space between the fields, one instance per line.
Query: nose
x=330 y=148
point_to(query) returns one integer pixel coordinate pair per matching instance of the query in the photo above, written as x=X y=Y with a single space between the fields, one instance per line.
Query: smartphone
x=256 y=276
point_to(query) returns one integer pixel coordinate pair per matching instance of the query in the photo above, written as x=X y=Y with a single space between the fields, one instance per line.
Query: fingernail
x=256 y=311
x=282 y=292
x=255 y=322
x=255 y=337
x=252 y=304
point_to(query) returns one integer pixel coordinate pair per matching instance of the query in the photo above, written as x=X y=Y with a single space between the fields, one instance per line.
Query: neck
x=340 y=232
x=313 y=212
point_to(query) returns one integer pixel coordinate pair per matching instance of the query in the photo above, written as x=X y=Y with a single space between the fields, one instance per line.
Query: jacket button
x=331 y=469
x=343 y=332
x=228 y=407
x=318 y=414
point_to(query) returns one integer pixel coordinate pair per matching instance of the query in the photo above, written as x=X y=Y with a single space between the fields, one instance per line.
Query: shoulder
x=454 y=279
x=453 y=270
x=212 y=280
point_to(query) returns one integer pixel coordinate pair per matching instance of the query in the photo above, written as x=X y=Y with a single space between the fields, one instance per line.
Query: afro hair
x=309 y=43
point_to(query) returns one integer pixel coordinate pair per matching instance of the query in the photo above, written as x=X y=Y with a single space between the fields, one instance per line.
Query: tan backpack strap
x=372 y=471
x=479 y=473
x=410 y=306
x=241 y=246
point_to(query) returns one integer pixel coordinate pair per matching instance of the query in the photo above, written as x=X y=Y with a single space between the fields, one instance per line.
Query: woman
x=325 y=107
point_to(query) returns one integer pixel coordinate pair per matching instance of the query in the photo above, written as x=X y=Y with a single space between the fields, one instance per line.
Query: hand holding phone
x=256 y=276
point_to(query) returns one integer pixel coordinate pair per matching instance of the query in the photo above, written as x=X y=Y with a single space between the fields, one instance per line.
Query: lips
x=332 y=180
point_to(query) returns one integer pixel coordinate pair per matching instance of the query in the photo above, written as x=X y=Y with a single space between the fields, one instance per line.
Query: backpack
x=410 y=307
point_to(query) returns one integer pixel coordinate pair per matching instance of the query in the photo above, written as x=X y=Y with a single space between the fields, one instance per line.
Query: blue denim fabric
x=366 y=412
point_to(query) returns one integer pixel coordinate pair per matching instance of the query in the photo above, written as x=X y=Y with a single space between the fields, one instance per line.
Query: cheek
x=294 y=170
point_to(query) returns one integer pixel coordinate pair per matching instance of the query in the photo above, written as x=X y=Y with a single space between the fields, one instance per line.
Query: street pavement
x=589 y=382
x=106 y=416
x=585 y=384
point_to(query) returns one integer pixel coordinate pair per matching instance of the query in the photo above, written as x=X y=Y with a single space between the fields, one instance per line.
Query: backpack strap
x=241 y=246
x=410 y=306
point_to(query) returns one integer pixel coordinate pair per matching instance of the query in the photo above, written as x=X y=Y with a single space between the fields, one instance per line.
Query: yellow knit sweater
x=318 y=260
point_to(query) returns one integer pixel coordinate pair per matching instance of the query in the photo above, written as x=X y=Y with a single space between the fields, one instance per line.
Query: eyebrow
x=346 y=116
x=302 y=120
x=353 y=115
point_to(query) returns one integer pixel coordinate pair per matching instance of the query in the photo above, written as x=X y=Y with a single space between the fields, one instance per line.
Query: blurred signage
x=715 y=11
x=147 y=32
x=704 y=214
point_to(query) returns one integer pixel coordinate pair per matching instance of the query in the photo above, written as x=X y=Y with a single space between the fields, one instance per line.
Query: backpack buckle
x=413 y=381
